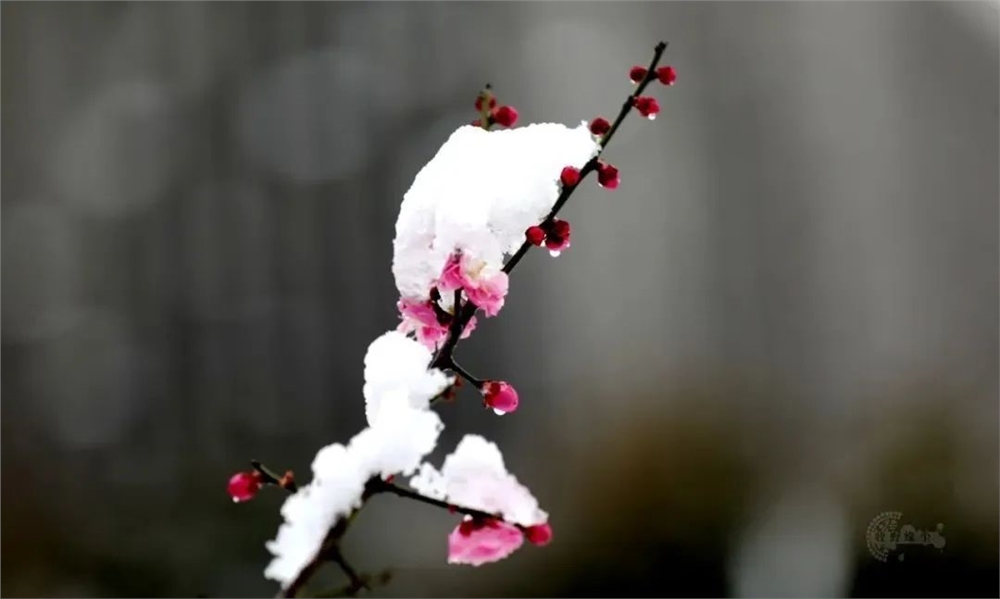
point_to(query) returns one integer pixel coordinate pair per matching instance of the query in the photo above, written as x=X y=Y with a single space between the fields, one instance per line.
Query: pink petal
x=469 y=327
x=489 y=294
x=421 y=312
x=432 y=336
x=420 y=317
x=453 y=275
x=484 y=543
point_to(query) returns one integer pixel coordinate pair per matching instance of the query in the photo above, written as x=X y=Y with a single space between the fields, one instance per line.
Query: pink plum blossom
x=421 y=319
x=489 y=294
x=453 y=275
x=478 y=542
x=484 y=289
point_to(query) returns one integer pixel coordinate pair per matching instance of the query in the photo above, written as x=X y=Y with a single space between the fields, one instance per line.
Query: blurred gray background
x=783 y=323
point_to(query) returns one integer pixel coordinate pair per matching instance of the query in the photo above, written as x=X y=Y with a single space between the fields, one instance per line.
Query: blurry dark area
x=780 y=328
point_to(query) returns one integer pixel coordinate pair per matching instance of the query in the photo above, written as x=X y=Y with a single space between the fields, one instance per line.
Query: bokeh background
x=783 y=324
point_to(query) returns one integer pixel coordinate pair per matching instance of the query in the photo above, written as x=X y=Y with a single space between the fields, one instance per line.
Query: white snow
x=474 y=476
x=396 y=363
x=398 y=387
x=479 y=194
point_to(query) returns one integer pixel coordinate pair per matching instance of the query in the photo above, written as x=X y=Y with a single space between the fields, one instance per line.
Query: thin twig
x=285 y=482
x=357 y=581
x=465 y=374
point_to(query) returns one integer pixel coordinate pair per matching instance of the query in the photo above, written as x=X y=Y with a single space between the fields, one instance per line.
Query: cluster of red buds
x=555 y=234
x=647 y=105
x=490 y=114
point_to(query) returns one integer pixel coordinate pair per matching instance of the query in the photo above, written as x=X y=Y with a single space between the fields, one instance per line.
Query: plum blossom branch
x=444 y=357
x=403 y=378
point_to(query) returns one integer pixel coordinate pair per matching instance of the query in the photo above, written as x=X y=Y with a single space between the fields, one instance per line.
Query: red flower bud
x=467 y=527
x=600 y=126
x=637 y=74
x=539 y=534
x=607 y=176
x=667 y=75
x=569 y=176
x=244 y=485
x=557 y=239
x=479 y=103
x=647 y=106
x=560 y=229
x=505 y=116
x=535 y=235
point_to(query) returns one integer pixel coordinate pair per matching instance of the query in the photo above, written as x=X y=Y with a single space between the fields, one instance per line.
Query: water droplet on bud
x=554 y=253
x=498 y=412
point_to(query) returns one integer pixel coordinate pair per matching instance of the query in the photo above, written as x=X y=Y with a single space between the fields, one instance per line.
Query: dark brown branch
x=357 y=582
x=384 y=487
x=456 y=325
x=457 y=368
